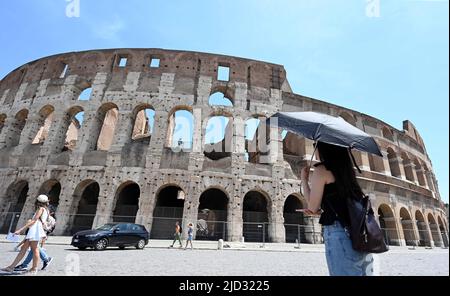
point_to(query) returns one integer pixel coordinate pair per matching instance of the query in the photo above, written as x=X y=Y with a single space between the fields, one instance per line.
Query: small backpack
x=49 y=224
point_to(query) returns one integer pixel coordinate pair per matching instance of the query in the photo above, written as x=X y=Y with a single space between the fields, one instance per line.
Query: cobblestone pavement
x=160 y=261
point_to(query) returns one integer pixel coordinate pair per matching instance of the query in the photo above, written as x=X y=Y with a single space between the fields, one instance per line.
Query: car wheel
x=122 y=247
x=101 y=244
x=141 y=244
x=82 y=248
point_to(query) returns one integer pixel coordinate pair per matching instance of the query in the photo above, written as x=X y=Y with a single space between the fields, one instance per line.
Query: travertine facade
x=127 y=171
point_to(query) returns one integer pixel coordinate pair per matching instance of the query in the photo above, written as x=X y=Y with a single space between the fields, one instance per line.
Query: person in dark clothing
x=332 y=182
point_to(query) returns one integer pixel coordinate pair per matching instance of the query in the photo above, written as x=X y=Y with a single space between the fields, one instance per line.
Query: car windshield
x=106 y=227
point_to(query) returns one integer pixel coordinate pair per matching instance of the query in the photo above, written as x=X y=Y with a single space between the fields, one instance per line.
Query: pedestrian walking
x=190 y=236
x=177 y=235
x=34 y=236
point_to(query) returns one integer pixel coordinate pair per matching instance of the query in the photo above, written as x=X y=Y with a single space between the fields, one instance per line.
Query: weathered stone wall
x=402 y=179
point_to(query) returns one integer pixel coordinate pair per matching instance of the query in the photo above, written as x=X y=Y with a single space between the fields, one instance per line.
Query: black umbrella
x=325 y=128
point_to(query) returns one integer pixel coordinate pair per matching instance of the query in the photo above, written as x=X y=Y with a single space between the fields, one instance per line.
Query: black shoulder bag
x=365 y=233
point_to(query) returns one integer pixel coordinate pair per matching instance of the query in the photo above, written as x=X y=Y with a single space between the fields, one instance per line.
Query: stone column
x=121 y=137
x=277 y=233
x=365 y=163
x=430 y=235
x=190 y=209
x=29 y=209
x=196 y=157
x=157 y=140
x=386 y=166
x=105 y=204
x=147 y=202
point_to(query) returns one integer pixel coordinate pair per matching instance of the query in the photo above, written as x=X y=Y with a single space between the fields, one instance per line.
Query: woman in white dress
x=35 y=234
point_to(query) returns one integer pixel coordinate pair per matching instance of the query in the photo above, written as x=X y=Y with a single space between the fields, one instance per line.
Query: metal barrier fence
x=262 y=232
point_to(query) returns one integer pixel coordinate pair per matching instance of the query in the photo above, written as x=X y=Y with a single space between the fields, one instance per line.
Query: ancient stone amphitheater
x=95 y=131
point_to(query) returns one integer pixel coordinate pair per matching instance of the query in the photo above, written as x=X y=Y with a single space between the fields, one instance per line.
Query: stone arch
x=51 y=188
x=84 y=203
x=256 y=135
x=443 y=230
x=218 y=135
x=43 y=124
x=388 y=224
x=434 y=228
x=376 y=163
x=104 y=126
x=12 y=205
x=16 y=128
x=143 y=121
x=424 y=237
x=219 y=98
x=294 y=221
x=169 y=207
x=419 y=172
x=85 y=93
x=428 y=176
x=212 y=214
x=71 y=125
x=387 y=134
x=2 y=121
x=226 y=91
x=408 y=167
x=348 y=117
x=407 y=227
x=180 y=128
x=256 y=215
x=394 y=163
x=126 y=202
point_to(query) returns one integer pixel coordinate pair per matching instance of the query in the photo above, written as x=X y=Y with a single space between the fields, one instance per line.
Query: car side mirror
x=115 y=230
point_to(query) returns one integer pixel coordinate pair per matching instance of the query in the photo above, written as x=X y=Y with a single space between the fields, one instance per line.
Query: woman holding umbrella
x=334 y=193
x=332 y=181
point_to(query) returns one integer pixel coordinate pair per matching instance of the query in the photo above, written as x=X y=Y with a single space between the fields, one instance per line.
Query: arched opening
x=43 y=124
x=16 y=128
x=12 y=205
x=348 y=117
x=256 y=139
x=435 y=233
x=220 y=99
x=2 y=121
x=86 y=194
x=51 y=188
x=85 y=95
x=168 y=210
x=106 y=122
x=408 y=166
x=424 y=239
x=428 y=176
x=393 y=163
x=444 y=233
x=388 y=225
x=387 y=134
x=73 y=120
x=212 y=215
x=180 y=130
x=218 y=137
x=419 y=172
x=127 y=202
x=376 y=163
x=295 y=150
x=255 y=217
x=294 y=223
x=408 y=228
x=144 y=118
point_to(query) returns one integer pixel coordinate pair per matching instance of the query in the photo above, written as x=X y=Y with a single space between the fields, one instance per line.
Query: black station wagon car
x=112 y=235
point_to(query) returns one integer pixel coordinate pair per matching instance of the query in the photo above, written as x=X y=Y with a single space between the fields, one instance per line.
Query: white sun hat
x=42 y=198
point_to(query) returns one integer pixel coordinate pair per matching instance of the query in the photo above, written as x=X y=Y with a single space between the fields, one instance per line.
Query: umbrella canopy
x=325 y=128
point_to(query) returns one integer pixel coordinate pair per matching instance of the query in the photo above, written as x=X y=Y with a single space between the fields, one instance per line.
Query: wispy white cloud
x=108 y=30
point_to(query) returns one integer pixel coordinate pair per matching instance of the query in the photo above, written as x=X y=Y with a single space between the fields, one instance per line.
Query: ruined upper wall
x=186 y=65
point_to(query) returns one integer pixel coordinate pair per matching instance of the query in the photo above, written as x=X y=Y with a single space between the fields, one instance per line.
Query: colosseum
x=96 y=131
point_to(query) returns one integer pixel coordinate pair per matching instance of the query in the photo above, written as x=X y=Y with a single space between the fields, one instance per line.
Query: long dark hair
x=39 y=204
x=337 y=160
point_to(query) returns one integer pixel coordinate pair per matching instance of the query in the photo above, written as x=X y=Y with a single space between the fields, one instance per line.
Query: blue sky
x=393 y=67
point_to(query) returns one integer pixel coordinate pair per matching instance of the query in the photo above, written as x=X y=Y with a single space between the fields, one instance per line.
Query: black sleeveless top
x=332 y=203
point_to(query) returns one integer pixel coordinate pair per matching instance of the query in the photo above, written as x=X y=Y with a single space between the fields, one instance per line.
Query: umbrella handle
x=353 y=159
